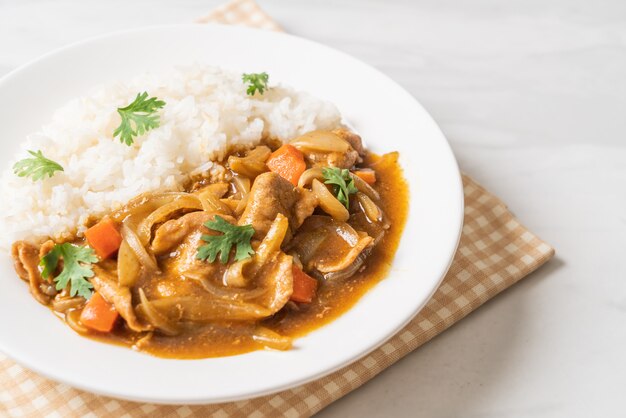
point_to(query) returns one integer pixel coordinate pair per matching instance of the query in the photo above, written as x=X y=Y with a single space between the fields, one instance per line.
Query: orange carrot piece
x=104 y=238
x=288 y=163
x=367 y=175
x=304 y=286
x=98 y=314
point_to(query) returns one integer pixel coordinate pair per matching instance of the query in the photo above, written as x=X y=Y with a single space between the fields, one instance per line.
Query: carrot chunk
x=304 y=286
x=98 y=314
x=288 y=163
x=104 y=238
x=367 y=175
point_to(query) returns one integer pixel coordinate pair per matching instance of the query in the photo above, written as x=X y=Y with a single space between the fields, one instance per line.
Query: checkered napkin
x=495 y=252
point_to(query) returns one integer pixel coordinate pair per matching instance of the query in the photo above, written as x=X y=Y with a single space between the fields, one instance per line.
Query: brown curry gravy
x=333 y=297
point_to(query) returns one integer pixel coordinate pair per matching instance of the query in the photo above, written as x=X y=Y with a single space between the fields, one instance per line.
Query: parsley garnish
x=142 y=114
x=37 y=167
x=343 y=182
x=76 y=268
x=239 y=236
x=256 y=82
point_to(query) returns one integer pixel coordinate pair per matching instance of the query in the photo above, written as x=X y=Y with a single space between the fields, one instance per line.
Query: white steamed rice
x=207 y=112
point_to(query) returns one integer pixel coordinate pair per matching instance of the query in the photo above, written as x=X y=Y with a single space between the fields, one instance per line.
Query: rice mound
x=207 y=112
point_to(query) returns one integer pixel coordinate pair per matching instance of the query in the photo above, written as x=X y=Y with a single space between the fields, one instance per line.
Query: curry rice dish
x=266 y=239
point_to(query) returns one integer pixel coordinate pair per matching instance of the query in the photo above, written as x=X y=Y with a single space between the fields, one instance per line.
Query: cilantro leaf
x=256 y=82
x=138 y=118
x=37 y=167
x=343 y=182
x=234 y=235
x=76 y=268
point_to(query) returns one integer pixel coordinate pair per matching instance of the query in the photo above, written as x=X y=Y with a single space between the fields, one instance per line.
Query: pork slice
x=173 y=232
x=353 y=139
x=183 y=237
x=106 y=284
x=270 y=195
x=26 y=263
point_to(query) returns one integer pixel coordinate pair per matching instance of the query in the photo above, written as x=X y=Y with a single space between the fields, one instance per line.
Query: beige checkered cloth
x=495 y=252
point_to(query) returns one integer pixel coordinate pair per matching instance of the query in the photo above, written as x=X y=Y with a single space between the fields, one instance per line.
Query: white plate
x=387 y=117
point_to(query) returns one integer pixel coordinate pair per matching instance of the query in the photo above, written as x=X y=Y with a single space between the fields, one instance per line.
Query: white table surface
x=532 y=96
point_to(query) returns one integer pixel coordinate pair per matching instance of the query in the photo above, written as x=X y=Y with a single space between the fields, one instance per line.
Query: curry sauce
x=333 y=298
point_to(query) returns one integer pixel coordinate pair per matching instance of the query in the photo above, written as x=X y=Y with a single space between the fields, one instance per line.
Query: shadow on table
x=444 y=378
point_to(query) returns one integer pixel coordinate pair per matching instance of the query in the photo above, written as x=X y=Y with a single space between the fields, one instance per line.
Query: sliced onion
x=145 y=259
x=242 y=186
x=128 y=266
x=143 y=341
x=48 y=289
x=211 y=203
x=143 y=204
x=241 y=206
x=228 y=293
x=348 y=271
x=364 y=187
x=306 y=245
x=181 y=202
x=329 y=266
x=328 y=245
x=64 y=304
x=371 y=210
x=273 y=239
x=234 y=276
x=375 y=230
x=271 y=339
x=231 y=203
x=268 y=253
x=218 y=189
x=155 y=318
x=347 y=233
x=72 y=318
x=297 y=261
x=309 y=175
x=321 y=141
x=252 y=164
x=203 y=309
x=329 y=203
x=315 y=223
